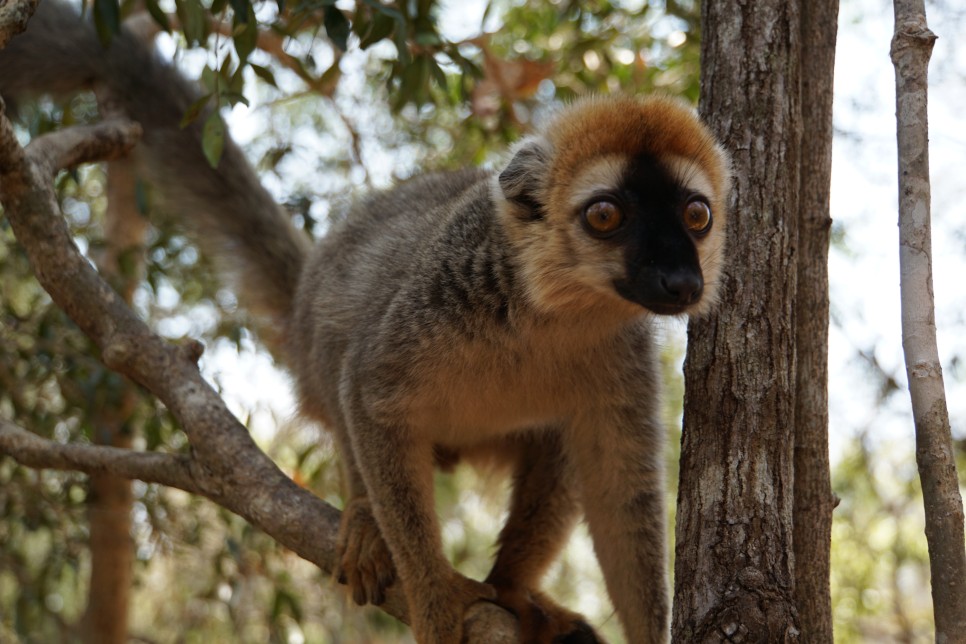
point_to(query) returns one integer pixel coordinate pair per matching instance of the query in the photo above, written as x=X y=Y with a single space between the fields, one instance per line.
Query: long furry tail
x=233 y=216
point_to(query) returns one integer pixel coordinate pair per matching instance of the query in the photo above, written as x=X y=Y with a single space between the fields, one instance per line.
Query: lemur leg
x=543 y=511
x=398 y=473
x=619 y=454
x=364 y=561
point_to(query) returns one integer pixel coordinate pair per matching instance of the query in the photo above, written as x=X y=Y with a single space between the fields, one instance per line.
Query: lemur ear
x=524 y=178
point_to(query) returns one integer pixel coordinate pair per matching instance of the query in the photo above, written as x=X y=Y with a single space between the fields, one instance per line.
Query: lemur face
x=621 y=198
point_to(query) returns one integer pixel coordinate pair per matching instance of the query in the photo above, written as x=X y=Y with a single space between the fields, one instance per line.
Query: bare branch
x=226 y=466
x=14 y=15
x=31 y=450
x=911 y=49
x=84 y=143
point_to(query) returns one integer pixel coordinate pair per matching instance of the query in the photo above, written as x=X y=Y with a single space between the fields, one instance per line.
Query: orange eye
x=697 y=217
x=603 y=217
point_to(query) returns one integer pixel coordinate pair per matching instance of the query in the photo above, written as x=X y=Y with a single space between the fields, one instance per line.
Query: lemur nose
x=684 y=287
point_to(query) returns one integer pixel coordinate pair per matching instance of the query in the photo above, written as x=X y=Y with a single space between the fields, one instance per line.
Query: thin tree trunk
x=734 y=566
x=911 y=49
x=110 y=498
x=814 y=500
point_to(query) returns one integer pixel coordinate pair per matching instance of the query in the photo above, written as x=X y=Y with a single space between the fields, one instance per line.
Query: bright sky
x=864 y=275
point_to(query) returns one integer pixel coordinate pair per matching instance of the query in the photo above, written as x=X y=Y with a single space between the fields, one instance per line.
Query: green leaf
x=233 y=98
x=386 y=10
x=402 y=45
x=413 y=80
x=380 y=27
x=241 y=9
x=427 y=38
x=264 y=73
x=193 y=21
x=245 y=36
x=158 y=15
x=194 y=110
x=236 y=83
x=107 y=20
x=438 y=74
x=213 y=139
x=209 y=79
x=225 y=70
x=337 y=27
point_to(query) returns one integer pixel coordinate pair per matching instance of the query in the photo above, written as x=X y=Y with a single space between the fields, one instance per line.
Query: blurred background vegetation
x=365 y=94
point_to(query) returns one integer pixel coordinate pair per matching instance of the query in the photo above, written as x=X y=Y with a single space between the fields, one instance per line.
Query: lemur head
x=619 y=200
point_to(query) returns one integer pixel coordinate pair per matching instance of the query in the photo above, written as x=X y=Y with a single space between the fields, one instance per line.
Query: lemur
x=503 y=315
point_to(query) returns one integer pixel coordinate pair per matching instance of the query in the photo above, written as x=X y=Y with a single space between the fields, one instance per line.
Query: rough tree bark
x=911 y=49
x=14 y=15
x=734 y=570
x=814 y=500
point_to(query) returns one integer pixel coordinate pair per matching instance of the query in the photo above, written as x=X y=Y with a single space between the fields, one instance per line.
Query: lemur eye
x=603 y=217
x=697 y=216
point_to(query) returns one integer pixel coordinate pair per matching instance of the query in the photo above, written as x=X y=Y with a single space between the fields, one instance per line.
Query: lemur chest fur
x=454 y=348
x=459 y=392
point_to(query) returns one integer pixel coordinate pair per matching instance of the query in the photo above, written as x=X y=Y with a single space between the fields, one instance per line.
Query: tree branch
x=911 y=49
x=14 y=15
x=173 y=470
x=225 y=466
x=105 y=141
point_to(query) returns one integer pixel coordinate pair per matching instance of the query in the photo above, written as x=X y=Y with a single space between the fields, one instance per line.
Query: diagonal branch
x=225 y=465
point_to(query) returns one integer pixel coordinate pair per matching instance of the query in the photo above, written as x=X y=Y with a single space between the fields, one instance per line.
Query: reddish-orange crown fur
x=627 y=126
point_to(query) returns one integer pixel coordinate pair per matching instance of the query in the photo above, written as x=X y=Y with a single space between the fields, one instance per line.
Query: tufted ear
x=524 y=178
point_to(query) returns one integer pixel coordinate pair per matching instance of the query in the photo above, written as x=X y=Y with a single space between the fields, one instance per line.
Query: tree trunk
x=110 y=498
x=814 y=500
x=911 y=49
x=734 y=568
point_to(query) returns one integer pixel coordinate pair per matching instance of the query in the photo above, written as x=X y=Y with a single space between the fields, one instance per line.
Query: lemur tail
x=233 y=217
